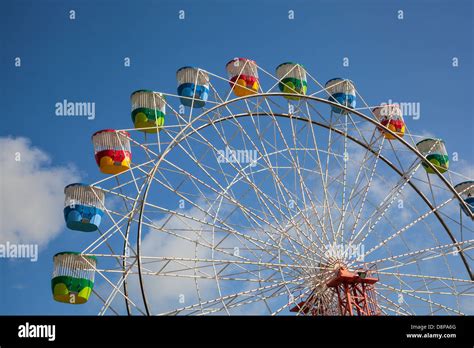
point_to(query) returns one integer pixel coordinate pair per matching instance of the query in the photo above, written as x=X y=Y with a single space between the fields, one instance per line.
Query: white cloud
x=31 y=192
x=165 y=292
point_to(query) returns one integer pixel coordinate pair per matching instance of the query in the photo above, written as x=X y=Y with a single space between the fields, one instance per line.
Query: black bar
x=244 y=330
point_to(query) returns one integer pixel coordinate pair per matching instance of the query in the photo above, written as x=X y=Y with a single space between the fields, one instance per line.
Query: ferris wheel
x=261 y=193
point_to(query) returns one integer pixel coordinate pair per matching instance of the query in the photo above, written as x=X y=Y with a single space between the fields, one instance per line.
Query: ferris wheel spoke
x=172 y=274
x=422 y=299
x=256 y=188
x=118 y=195
x=116 y=227
x=457 y=223
x=295 y=162
x=276 y=293
x=220 y=190
x=101 y=273
x=256 y=292
x=303 y=214
x=132 y=181
x=397 y=157
x=445 y=249
x=414 y=287
x=385 y=204
x=237 y=294
x=293 y=302
x=423 y=255
x=406 y=227
x=340 y=228
x=100 y=239
x=230 y=278
x=280 y=186
x=262 y=245
x=323 y=298
x=305 y=192
x=118 y=189
x=256 y=242
x=113 y=230
x=199 y=274
x=392 y=305
x=96 y=293
x=324 y=178
x=194 y=179
x=149 y=153
x=113 y=294
x=362 y=165
x=200 y=263
x=448 y=290
x=246 y=261
x=443 y=258
x=287 y=147
x=116 y=223
x=367 y=186
x=332 y=139
x=234 y=232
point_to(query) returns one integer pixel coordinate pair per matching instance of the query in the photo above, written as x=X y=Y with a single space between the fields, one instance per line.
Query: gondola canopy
x=292 y=79
x=243 y=76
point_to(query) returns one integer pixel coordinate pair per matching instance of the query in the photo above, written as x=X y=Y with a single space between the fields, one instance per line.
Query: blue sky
x=82 y=60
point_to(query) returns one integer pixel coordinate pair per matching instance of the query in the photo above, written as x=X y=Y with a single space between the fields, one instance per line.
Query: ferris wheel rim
x=177 y=139
x=182 y=135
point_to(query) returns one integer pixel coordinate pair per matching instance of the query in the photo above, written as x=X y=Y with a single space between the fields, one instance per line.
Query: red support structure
x=355 y=292
x=311 y=306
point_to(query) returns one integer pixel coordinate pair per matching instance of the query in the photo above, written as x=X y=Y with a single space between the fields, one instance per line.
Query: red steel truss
x=355 y=292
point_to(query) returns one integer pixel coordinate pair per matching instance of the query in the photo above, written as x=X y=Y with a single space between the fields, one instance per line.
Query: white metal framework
x=248 y=205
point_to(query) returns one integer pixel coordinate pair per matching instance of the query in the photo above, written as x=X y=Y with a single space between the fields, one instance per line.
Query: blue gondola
x=83 y=207
x=341 y=91
x=193 y=86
